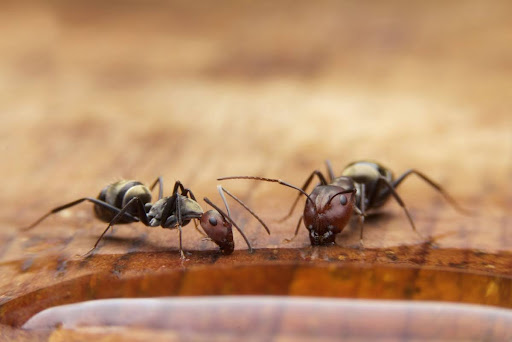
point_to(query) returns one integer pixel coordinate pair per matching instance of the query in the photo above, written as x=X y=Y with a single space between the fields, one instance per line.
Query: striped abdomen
x=118 y=195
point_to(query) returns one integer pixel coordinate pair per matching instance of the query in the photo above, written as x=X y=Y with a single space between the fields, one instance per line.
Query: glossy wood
x=96 y=91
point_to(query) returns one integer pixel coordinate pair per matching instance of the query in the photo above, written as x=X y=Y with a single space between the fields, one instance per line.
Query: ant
x=129 y=201
x=362 y=187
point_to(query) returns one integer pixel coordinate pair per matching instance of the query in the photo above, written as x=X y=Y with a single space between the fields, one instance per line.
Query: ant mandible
x=362 y=187
x=129 y=201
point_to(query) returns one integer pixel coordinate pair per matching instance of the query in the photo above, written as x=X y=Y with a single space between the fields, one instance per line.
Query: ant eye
x=343 y=199
x=213 y=221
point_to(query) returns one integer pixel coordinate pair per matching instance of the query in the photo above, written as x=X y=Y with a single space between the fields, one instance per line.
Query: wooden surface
x=93 y=92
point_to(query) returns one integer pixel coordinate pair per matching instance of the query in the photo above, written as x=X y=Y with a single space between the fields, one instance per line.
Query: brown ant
x=129 y=201
x=362 y=187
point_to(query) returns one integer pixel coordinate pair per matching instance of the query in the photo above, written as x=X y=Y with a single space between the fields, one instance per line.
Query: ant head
x=219 y=230
x=328 y=212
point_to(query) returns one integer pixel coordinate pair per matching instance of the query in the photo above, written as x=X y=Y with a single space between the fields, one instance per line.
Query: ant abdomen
x=118 y=194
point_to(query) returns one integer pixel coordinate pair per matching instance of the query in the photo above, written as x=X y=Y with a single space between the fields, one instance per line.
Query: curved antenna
x=221 y=189
x=268 y=180
x=230 y=221
x=341 y=193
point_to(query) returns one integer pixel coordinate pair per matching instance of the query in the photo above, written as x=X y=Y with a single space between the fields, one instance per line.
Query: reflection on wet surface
x=284 y=316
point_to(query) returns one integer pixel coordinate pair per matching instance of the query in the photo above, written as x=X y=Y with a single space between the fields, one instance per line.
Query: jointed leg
x=160 y=187
x=78 y=201
x=298 y=226
x=187 y=192
x=140 y=211
x=361 y=224
x=180 y=223
x=304 y=187
x=399 y=200
x=199 y=230
x=296 y=230
x=184 y=191
x=361 y=212
x=177 y=185
x=432 y=184
x=330 y=171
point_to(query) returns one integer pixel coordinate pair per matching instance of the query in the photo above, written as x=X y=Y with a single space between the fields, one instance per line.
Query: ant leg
x=188 y=192
x=432 y=184
x=361 y=224
x=221 y=190
x=184 y=191
x=174 y=202
x=298 y=226
x=199 y=230
x=178 y=185
x=181 y=243
x=70 y=204
x=330 y=171
x=399 y=200
x=160 y=183
x=180 y=223
x=296 y=230
x=361 y=212
x=228 y=218
x=304 y=187
x=140 y=211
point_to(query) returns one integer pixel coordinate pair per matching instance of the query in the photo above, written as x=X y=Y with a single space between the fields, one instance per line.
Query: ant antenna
x=341 y=193
x=221 y=189
x=269 y=180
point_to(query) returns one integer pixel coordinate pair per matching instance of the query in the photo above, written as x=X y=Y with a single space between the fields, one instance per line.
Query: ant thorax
x=160 y=215
x=155 y=212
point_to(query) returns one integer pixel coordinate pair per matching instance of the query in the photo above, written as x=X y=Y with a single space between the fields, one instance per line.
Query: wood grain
x=92 y=92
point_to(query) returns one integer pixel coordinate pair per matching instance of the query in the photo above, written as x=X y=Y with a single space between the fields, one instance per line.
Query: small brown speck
x=391 y=255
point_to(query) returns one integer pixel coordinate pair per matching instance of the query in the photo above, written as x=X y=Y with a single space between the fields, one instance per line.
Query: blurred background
x=95 y=91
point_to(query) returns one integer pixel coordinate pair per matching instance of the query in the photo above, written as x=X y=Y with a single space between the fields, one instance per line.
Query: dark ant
x=129 y=201
x=362 y=187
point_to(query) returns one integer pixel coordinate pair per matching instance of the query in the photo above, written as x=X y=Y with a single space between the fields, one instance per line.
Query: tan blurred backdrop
x=92 y=92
